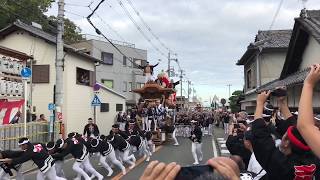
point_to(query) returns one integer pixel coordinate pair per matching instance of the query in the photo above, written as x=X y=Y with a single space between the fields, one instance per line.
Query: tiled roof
x=295 y=78
x=272 y=39
x=43 y=35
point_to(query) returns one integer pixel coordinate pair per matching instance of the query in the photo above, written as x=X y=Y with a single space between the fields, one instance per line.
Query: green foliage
x=25 y=10
x=33 y=11
x=235 y=99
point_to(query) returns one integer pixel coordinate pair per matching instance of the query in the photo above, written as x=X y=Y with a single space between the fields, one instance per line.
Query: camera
x=279 y=92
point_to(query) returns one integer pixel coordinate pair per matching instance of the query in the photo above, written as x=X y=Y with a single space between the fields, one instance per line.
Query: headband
x=294 y=140
x=24 y=142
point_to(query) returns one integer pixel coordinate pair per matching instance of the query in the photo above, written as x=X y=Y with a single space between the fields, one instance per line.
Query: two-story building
x=78 y=78
x=117 y=71
x=263 y=62
x=304 y=50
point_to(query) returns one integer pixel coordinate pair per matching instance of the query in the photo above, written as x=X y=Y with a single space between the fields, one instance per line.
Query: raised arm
x=261 y=99
x=306 y=125
x=283 y=106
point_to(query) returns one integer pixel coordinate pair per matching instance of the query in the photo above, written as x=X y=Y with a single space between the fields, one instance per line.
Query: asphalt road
x=166 y=153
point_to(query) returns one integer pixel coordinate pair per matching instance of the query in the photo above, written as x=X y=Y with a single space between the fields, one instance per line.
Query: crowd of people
x=272 y=144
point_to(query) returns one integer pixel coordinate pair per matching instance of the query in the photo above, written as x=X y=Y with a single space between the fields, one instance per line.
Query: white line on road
x=215 y=152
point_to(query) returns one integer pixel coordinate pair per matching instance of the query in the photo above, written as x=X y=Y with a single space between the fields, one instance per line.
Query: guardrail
x=36 y=131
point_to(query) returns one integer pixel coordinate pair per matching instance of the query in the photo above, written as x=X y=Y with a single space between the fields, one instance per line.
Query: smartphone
x=279 y=92
x=193 y=172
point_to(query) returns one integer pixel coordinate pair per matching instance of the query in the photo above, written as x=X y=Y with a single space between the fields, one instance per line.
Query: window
x=130 y=86
x=104 y=107
x=85 y=77
x=139 y=85
x=119 y=107
x=129 y=62
x=107 y=58
x=124 y=86
x=40 y=73
x=249 y=79
x=107 y=83
x=124 y=61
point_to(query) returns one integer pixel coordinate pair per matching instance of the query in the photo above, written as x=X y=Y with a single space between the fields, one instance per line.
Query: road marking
x=138 y=162
x=215 y=152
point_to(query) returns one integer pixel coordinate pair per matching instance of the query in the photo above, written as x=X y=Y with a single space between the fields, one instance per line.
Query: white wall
x=106 y=119
x=43 y=53
x=311 y=54
x=77 y=98
x=271 y=65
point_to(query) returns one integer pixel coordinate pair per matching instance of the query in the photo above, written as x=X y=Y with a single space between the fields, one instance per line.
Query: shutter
x=40 y=73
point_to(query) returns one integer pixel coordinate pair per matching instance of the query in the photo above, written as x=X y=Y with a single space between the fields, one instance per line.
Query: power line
x=146 y=25
x=115 y=32
x=276 y=14
x=139 y=28
x=100 y=33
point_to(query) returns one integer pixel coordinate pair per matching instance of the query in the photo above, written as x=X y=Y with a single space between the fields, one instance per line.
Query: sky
x=207 y=36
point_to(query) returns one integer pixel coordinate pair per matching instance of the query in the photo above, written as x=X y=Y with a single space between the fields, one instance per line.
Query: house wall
x=251 y=65
x=271 y=65
x=77 y=98
x=118 y=72
x=106 y=119
x=43 y=53
x=311 y=54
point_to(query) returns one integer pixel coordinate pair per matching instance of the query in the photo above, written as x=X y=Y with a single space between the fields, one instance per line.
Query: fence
x=36 y=132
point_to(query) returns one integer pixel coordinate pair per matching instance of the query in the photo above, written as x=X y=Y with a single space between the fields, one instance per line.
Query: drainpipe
x=258 y=68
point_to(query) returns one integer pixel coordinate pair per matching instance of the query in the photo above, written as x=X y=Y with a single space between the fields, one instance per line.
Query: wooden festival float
x=154 y=92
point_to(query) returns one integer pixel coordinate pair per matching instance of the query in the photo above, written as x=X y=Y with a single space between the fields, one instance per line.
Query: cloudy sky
x=209 y=36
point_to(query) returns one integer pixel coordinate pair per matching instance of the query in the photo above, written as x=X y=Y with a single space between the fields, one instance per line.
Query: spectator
x=293 y=160
x=306 y=121
x=91 y=129
x=42 y=118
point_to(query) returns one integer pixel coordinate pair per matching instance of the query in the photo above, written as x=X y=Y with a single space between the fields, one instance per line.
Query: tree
x=72 y=33
x=25 y=10
x=33 y=11
x=235 y=99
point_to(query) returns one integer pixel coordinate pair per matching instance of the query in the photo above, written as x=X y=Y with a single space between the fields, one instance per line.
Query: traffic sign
x=51 y=106
x=96 y=101
x=96 y=87
x=25 y=72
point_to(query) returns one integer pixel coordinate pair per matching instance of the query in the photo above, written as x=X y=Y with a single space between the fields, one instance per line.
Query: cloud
x=209 y=36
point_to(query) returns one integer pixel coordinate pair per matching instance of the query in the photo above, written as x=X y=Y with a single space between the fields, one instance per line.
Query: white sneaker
x=148 y=159
x=134 y=159
x=196 y=163
x=176 y=144
x=110 y=173
x=100 y=177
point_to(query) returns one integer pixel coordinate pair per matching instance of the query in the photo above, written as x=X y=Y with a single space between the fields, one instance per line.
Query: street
x=166 y=153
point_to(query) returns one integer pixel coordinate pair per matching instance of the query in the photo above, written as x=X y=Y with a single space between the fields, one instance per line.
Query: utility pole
x=181 y=76
x=59 y=60
x=169 y=64
x=229 y=85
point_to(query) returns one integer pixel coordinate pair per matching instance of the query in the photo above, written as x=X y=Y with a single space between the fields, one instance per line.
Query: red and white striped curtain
x=9 y=109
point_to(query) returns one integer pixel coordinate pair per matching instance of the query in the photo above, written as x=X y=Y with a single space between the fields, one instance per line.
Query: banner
x=10 y=110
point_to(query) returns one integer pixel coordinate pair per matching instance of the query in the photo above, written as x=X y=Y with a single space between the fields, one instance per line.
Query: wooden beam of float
x=152 y=90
